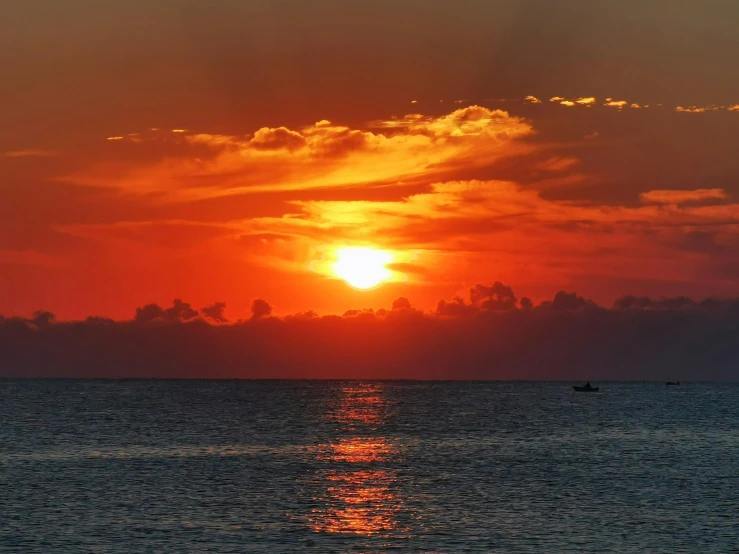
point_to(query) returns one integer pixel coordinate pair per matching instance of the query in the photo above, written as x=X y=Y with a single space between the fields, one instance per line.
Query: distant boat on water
x=587 y=387
x=673 y=383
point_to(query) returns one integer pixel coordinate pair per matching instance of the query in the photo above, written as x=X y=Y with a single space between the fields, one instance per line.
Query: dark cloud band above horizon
x=492 y=335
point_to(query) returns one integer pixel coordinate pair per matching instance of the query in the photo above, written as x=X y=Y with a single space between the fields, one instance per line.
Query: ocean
x=157 y=466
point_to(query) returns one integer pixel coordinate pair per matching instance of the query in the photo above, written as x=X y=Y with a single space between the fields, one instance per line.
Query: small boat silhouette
x=675 y=383
x=587 y=387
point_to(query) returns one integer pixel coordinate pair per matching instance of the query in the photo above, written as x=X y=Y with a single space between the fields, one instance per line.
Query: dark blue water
x=235 y=466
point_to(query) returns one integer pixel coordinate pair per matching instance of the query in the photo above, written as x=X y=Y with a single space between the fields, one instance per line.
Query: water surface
x=312 y=466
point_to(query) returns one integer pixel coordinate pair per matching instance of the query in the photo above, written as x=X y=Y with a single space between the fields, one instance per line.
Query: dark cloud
x=180 y=311
x=569 y=301
x=401 y=303
x=567 y=337
x=646 y=303
x=215 y=312
x=497 y=297
x=455 y=308
x=260 y=308
x=43 y=319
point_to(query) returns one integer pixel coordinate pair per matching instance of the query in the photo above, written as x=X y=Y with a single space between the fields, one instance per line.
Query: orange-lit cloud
x=324 y=155
x=682 y=196
x=558 y=164
x=585 y=100
x=335 y=175
x=453 y=197
x=533 y=99
x=697 y=109
x=503 y=225
x=615 y=103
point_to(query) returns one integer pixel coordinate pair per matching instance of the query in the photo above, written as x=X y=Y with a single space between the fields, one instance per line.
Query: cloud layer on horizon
x=492 y=334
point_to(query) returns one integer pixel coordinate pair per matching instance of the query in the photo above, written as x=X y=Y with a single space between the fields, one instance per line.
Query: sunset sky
x=227 y=151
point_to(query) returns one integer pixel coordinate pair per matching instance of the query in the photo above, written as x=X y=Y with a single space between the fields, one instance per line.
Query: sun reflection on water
x=358 y=496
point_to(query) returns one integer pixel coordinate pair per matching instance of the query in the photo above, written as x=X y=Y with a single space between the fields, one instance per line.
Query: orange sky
x=216 y=152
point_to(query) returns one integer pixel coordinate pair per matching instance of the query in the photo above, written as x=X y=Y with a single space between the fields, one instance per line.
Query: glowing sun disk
x=362 y=267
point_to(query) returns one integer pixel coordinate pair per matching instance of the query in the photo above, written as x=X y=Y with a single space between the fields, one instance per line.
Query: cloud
x=178 y=312
x=461 y=203
x=260 y=308
x=214 y=312
x=681 y=196
x=491 y=337
x=699 y=109
x=401 y=304
x=497 y=297
x=589 y=101
x=569 y=302
x=501 y=224
x=582 y=101
x=631 y=302
x=320 y=156
x=33 y=153
x=615 y=103
x=276 y=139
x=558 y=164
x=472 y=121
x=42 y=319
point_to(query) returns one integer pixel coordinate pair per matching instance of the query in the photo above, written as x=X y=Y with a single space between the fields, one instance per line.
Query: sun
x=362 y=267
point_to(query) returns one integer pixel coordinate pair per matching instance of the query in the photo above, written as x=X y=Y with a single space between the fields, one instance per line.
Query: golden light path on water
x=360 y=496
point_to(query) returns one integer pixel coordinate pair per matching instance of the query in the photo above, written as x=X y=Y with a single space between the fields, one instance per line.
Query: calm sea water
x=246 y=466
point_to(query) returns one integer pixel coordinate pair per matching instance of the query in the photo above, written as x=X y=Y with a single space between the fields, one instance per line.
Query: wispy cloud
x=682 y=196
x=697 y=109
x=31 y=153
x=29 y=258
x=558 y=164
